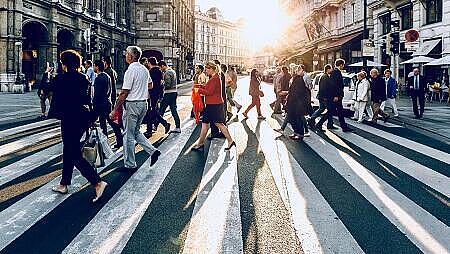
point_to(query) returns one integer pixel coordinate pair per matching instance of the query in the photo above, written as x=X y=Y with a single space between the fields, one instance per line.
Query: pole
x=365 y=33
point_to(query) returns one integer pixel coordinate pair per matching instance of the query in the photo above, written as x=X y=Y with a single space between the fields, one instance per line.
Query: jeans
x=334 y=106
x=133 y=116
x=170 y=100
x=153 y=116
x=319 y=111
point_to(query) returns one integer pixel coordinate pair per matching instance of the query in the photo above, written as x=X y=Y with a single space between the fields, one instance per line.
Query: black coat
x=299 y=97
x=158 y=89
x=336 y=84
x=422 y=84
x=113 y=76
x=324 y=86
x=378 y=89
x=46 y=83
x=102 y=93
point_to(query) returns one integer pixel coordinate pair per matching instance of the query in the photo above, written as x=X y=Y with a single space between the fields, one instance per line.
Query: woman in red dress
x=255 y=92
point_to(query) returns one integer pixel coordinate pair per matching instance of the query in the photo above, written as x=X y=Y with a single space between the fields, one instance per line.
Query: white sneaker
x=396 y=115
x=176 y=130
x=307 y=134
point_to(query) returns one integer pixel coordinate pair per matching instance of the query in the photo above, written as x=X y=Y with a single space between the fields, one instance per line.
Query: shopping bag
x=197 y=103
x=104 y=144
x=92 y=150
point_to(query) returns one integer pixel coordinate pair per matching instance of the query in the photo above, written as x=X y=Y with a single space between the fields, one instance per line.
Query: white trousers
x=390 y=102
x=360 y=106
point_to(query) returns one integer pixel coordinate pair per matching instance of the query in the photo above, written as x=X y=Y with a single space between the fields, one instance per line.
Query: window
x=353 y=12
x=433 y=11
x=151 y=17
x=406 y=17
x=344 y=11
x=385 y=21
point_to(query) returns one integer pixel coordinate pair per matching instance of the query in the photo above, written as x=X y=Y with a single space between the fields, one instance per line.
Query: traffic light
x=395 y=43
x=93 y=39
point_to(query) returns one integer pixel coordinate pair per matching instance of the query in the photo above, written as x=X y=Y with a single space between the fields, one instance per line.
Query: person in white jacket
x=361 y=97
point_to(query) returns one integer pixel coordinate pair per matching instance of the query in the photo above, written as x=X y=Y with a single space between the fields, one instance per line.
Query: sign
x=412 y=46
x=412 y=35
x=368 y=47
x=176 y=52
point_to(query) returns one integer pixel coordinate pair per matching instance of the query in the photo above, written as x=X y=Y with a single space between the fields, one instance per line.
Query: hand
x=196 y=89
x=112 y=114
x=335 y=99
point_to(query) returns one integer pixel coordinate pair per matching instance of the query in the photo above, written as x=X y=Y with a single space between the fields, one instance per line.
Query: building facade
x=430 y=18
x=165 y=30
x=216 y=38
x=34 y=32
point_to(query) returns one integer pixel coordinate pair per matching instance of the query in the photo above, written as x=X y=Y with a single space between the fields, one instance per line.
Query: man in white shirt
x=133 y=97
x=90 y=71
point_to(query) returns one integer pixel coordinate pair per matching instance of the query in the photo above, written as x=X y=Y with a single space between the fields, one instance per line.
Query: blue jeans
x=133 y=115
x=170 y=100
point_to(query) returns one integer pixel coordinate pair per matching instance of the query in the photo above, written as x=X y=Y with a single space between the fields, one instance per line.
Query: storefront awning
x=300 y=53
x=337 y=43
x=426 y=48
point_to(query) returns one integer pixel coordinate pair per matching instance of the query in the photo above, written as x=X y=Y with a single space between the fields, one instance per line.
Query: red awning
x=338 y=43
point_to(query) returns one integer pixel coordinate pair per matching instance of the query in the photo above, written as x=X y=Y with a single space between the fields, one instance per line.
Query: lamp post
x=365 y=33
x=18 y=78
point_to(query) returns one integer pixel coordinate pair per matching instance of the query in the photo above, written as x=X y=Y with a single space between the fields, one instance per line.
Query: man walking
x=134 y=97
x=284 y=85
x=391 y=92
x=170 y=96
x=323 y=97
x=156 y=94
x=45 y=89
x=107 y=61
x=417 y=87
x=276 y=107
x=378 y=95
x=90 y=73
x=102 y=101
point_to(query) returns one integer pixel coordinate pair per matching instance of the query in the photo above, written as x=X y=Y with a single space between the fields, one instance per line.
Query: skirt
x=214 y=113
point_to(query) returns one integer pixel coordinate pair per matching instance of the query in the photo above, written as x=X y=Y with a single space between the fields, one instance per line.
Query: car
x=349 y=90
x=268 y=74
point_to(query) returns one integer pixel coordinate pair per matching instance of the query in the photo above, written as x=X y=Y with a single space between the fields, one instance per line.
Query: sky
x=264 y=19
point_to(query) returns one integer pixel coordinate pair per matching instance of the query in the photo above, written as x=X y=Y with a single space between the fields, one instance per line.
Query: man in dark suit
x=417 y=87
x=378 y=95
x=336 y=93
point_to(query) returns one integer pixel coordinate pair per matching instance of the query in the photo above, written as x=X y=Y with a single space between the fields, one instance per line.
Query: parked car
x=349 y=89
x=268 y=74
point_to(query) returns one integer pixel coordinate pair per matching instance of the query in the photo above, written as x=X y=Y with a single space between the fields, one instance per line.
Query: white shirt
x=136 y=80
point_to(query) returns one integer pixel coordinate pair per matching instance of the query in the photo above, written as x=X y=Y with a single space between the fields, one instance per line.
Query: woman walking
x=255 y=92
x=361 y=96
x=71 y=104
x=214 y=109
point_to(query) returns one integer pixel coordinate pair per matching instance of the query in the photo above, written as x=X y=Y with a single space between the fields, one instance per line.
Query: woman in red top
x=255 y=92
x=214 y=110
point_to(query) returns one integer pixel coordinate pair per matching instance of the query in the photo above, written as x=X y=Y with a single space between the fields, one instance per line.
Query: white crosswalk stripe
x=212 y=230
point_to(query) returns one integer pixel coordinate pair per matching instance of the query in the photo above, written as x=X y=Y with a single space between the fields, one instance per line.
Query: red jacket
x=212 y=91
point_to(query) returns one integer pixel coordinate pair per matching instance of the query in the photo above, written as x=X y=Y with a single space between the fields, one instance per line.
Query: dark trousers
x=170 y=100
x=333 y=107
x=103 y=118
x=72 y=156
x=296 y=122
x=153 y=117
x=319 y=111
x=421 y=96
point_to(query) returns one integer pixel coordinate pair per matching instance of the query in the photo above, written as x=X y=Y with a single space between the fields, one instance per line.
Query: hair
x=100 y=65
x=107 y=60
x=339 y=62
x=327 y=67
x=88 y=62
x=224 y=67
x=71 y=59
x=201 y=67
x=231 y=68
x=162 y=63
x=217 y=62
x=135 y=51
x=284 y=69
x=211 y=65
x=152 y=60
x=253 y=74
x=142 y=60
x=375 y=71
x=361 y=74
x=387 y=70
x=303 y=67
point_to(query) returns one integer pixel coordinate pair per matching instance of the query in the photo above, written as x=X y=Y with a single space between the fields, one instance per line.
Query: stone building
x=430 y=18
x=34 y=32
x=165 y=30
x=217 y=38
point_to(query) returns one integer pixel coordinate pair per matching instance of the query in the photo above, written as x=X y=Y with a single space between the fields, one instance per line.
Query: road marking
x=415 y=146
x=112 y=227
x=424 y=174
x=215 y=226
x=29 y=141
x=11 y=133
x=19 y=217
x=29 y=163
x=313 y=218
x=422 y=228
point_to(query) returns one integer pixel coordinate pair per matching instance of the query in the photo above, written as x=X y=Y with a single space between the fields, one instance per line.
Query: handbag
x=92 y=150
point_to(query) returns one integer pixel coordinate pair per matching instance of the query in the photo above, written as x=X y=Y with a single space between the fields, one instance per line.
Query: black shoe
x=386 y=118
x=154 y=157
x=231 y=146
x=148 y=134
x=167 y=128
x=198 y=148
x=311 y=124
x=319 y=128
x=332 y=128
x=416 y=117
x=347 y=129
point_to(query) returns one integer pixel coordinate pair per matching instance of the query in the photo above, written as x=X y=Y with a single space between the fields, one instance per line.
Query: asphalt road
x=383 y=189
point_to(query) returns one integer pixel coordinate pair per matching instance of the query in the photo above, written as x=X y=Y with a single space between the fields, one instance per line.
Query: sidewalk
x=436 y=117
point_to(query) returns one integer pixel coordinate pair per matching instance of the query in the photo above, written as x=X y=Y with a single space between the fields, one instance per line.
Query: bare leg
x=203 y=133
x=225 y=132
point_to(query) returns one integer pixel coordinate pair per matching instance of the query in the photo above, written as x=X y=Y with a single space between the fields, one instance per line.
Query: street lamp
x=18 y=79
x=365 y=34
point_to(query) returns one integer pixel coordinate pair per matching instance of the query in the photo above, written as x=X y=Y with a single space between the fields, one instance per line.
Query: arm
x=209 y=89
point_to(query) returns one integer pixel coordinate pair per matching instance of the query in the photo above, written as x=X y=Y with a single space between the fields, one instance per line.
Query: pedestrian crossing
x=344 y=192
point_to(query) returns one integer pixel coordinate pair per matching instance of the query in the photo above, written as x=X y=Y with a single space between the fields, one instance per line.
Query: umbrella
x=418 y=60
x=369 y=63
x=441 y=61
